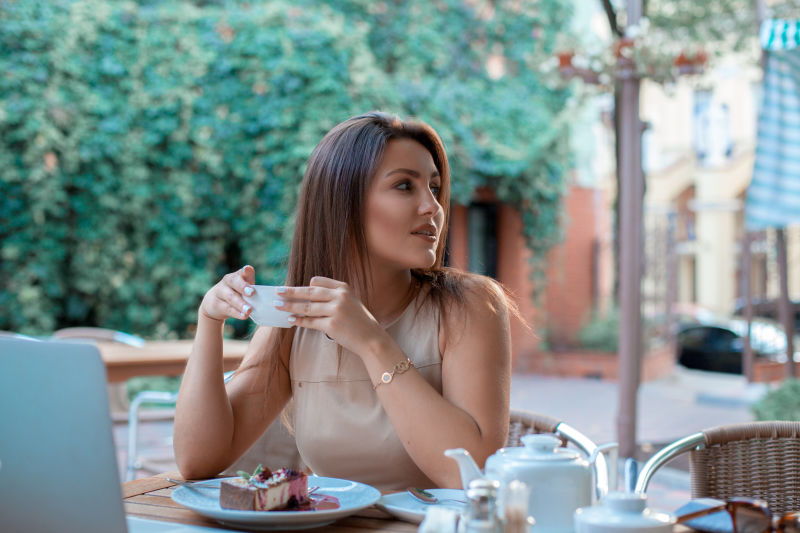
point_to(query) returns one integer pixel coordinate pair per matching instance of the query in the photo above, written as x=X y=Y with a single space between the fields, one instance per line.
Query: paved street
x=669 y=408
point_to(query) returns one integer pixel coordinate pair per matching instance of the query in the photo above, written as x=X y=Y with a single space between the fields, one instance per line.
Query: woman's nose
x=428 y=204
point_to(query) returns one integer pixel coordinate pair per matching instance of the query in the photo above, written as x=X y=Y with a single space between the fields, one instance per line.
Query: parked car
x=769 y=309
x=719 y=346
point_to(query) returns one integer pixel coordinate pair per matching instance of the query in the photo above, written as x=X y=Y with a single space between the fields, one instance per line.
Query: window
x=482 y=230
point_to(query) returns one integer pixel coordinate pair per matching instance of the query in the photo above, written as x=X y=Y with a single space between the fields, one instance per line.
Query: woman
x=394 y=358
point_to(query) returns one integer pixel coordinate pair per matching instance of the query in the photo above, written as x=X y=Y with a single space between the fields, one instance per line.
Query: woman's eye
x=436 y=189
x=403 y=186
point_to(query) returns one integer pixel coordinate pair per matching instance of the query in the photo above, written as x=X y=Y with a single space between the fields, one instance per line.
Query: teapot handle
x=611 y=449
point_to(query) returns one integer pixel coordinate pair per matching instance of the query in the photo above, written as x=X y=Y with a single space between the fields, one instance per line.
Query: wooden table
x=159 y=358
x=150 y=498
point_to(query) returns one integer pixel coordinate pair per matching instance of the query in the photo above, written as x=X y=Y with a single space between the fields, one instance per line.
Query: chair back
x=526 y=423
x=756 y=460
x=15 y=335
x=99 y=334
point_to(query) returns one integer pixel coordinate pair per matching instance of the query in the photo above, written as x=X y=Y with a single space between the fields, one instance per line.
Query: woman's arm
x=215 y=423
x=471 y=412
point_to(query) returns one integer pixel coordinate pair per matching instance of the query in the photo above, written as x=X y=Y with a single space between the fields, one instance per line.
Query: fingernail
x=278 y=303
x=245 y=309
x=248 y=291
x=280 y=290
x=291 y=319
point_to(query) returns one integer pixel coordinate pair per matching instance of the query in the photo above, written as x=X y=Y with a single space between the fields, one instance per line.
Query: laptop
x=58 y=466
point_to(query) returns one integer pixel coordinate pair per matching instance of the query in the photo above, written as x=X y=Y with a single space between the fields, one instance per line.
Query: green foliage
x=148 y=148
x=510 y=132
x=782 y=403
x=601 y=332
x=152 y=383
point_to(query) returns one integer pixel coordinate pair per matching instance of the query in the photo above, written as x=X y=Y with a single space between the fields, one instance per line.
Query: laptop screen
x=58 y=469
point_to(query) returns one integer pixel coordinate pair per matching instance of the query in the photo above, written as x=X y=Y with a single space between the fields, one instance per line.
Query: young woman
x=394 y=358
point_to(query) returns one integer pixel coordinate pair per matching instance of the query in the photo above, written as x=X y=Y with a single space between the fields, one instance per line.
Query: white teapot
x=560 y=479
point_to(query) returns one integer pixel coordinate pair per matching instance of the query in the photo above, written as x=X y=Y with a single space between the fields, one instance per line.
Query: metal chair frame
x=693 y=441
x=166 y=398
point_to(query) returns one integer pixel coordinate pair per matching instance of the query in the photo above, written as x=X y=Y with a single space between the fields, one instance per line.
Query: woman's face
x=403 y=217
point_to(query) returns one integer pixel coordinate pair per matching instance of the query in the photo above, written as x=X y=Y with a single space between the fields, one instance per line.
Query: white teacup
x=263 y=304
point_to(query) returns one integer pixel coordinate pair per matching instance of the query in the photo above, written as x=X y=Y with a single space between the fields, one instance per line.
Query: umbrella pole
x=747 y=296
x=631 y=193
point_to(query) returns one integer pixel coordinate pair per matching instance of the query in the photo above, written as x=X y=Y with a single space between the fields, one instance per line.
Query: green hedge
x=781 y=403
x=146 y=149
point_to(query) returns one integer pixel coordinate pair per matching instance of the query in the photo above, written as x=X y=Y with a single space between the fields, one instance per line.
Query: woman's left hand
x=330 y=306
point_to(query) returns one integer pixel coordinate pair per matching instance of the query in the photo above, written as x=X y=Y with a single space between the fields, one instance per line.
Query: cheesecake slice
x=265 y=491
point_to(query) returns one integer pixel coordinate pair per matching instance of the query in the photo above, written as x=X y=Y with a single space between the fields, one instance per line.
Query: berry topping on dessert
x=264 y=490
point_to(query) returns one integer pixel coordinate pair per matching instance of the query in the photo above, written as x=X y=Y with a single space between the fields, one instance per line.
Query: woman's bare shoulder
x=481 y=311
x=478 y=295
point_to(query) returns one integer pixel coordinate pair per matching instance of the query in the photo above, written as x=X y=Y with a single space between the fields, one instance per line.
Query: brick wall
x=578 y=274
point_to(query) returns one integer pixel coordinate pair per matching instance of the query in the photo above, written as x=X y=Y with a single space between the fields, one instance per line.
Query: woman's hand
x=225 y=299
x=331 y=307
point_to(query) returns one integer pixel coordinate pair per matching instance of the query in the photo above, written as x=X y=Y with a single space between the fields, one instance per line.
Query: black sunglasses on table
x=751 y=516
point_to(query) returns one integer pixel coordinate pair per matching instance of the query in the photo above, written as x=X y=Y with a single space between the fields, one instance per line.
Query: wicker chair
x=527 y=423
x=755 y=460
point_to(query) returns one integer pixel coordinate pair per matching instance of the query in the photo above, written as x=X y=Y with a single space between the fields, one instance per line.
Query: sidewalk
x=682 y=403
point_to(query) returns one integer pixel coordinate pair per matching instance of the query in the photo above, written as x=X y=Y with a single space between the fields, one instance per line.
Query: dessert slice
x=264 y=490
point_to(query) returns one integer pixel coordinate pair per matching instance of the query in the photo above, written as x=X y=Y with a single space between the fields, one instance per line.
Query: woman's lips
x=425 y=237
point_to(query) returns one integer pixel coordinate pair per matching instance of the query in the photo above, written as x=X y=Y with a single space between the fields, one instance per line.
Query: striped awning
x=773 y=197
x=780 y=34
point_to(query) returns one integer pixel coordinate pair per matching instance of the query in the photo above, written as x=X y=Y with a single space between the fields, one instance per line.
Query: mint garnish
x=249 y=476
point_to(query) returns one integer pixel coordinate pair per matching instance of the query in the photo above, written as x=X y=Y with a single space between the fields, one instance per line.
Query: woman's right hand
x=225 y=299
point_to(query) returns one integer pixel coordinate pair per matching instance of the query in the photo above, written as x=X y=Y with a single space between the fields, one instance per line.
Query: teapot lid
x=541 y=447
x=624 y=511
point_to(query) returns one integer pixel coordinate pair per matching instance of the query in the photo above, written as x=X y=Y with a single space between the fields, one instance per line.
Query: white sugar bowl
x=623 y=512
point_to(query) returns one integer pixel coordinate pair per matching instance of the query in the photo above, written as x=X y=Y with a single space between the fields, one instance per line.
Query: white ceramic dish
x=352 y=496
x=405 y=507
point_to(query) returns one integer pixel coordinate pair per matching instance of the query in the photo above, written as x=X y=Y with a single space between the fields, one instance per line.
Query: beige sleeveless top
x=340 y=425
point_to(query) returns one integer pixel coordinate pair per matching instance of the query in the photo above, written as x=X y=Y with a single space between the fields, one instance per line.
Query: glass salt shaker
x=481 y=515
x=515 y=508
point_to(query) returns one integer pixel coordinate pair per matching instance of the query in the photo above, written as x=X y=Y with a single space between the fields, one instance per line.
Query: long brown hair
x=329 y=238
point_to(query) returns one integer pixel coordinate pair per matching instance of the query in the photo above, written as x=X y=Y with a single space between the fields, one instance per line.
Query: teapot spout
x=466 y=465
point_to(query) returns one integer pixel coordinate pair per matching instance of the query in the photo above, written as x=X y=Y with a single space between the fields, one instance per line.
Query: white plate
x=406 y=507
x=352 y=496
